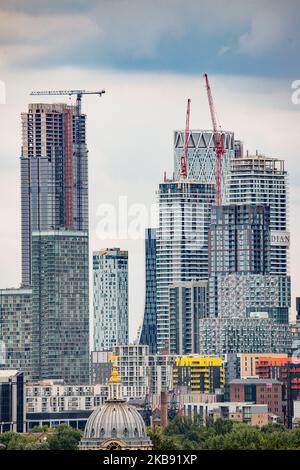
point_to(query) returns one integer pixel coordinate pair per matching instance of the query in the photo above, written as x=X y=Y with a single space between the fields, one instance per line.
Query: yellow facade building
x=199 y=374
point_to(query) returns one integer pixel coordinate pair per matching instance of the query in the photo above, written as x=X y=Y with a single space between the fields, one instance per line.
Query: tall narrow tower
x=54 y=174
x=148 y=333
x=182 y=243
x=110 y=270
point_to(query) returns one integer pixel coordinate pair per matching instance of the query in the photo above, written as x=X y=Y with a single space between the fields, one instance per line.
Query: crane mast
x=183 y=169
x=219 y=141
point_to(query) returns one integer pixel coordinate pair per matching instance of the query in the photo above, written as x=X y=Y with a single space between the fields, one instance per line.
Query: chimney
x=164 y=409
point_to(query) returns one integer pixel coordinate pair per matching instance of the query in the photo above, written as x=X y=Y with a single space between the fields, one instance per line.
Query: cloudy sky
x=149 y=56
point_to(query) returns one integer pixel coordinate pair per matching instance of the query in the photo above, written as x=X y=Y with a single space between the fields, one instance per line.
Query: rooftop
x=254 y=381
x=5 y=373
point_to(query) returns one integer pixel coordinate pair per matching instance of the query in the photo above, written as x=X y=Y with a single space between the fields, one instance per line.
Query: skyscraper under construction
x=54 y=174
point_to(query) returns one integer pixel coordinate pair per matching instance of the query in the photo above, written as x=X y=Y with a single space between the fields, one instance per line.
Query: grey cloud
x=177 y=35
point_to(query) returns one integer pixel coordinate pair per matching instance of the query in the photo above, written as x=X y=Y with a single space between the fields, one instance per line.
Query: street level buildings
x=286 y=370
x=12 y=401
x=248 y=413
x=259 y=391
x=50 y=403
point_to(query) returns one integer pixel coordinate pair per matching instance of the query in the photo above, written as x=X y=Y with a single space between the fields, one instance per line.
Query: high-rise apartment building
x=110 y=269
x=54 y=174
x=187 y=304
x=239 y=255
x=201 y=158
x=257 y=179
x=182 y=243
x=60 y=306
x=15 y=330
x=148 y=333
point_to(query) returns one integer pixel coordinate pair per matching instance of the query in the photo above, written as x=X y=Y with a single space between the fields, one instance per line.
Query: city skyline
x=130 y=133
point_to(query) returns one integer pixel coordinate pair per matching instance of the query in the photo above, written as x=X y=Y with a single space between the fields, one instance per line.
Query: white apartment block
x=110 y=270
x=53 y=397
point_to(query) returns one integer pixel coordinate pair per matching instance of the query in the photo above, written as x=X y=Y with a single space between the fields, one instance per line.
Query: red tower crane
x=183 y=169
x=219 y=141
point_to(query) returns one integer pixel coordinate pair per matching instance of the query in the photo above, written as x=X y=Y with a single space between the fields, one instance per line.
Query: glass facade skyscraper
x=182 y=243
x=148 y=333
x=110 y=271
x=60 y=306
x=54 y=174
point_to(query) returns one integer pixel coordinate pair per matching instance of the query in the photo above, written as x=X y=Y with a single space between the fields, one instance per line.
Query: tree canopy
x=185 y=434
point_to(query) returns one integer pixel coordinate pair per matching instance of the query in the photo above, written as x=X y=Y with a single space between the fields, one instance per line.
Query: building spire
x=114 y=378
x=115 y=387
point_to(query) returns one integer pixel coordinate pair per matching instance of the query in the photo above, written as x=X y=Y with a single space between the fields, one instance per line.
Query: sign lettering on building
x=279 y=238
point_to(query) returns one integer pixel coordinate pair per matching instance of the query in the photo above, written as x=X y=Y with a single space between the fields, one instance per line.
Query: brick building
x=287 y=371
x=259 y=391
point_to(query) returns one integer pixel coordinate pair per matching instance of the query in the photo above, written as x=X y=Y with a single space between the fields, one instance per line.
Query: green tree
x=268 y=428
x=222 y=426
x=64 y=438
x=161 y=441
x=6 y=437
x=20 y=442
x=180 y=425
x=41 y=429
